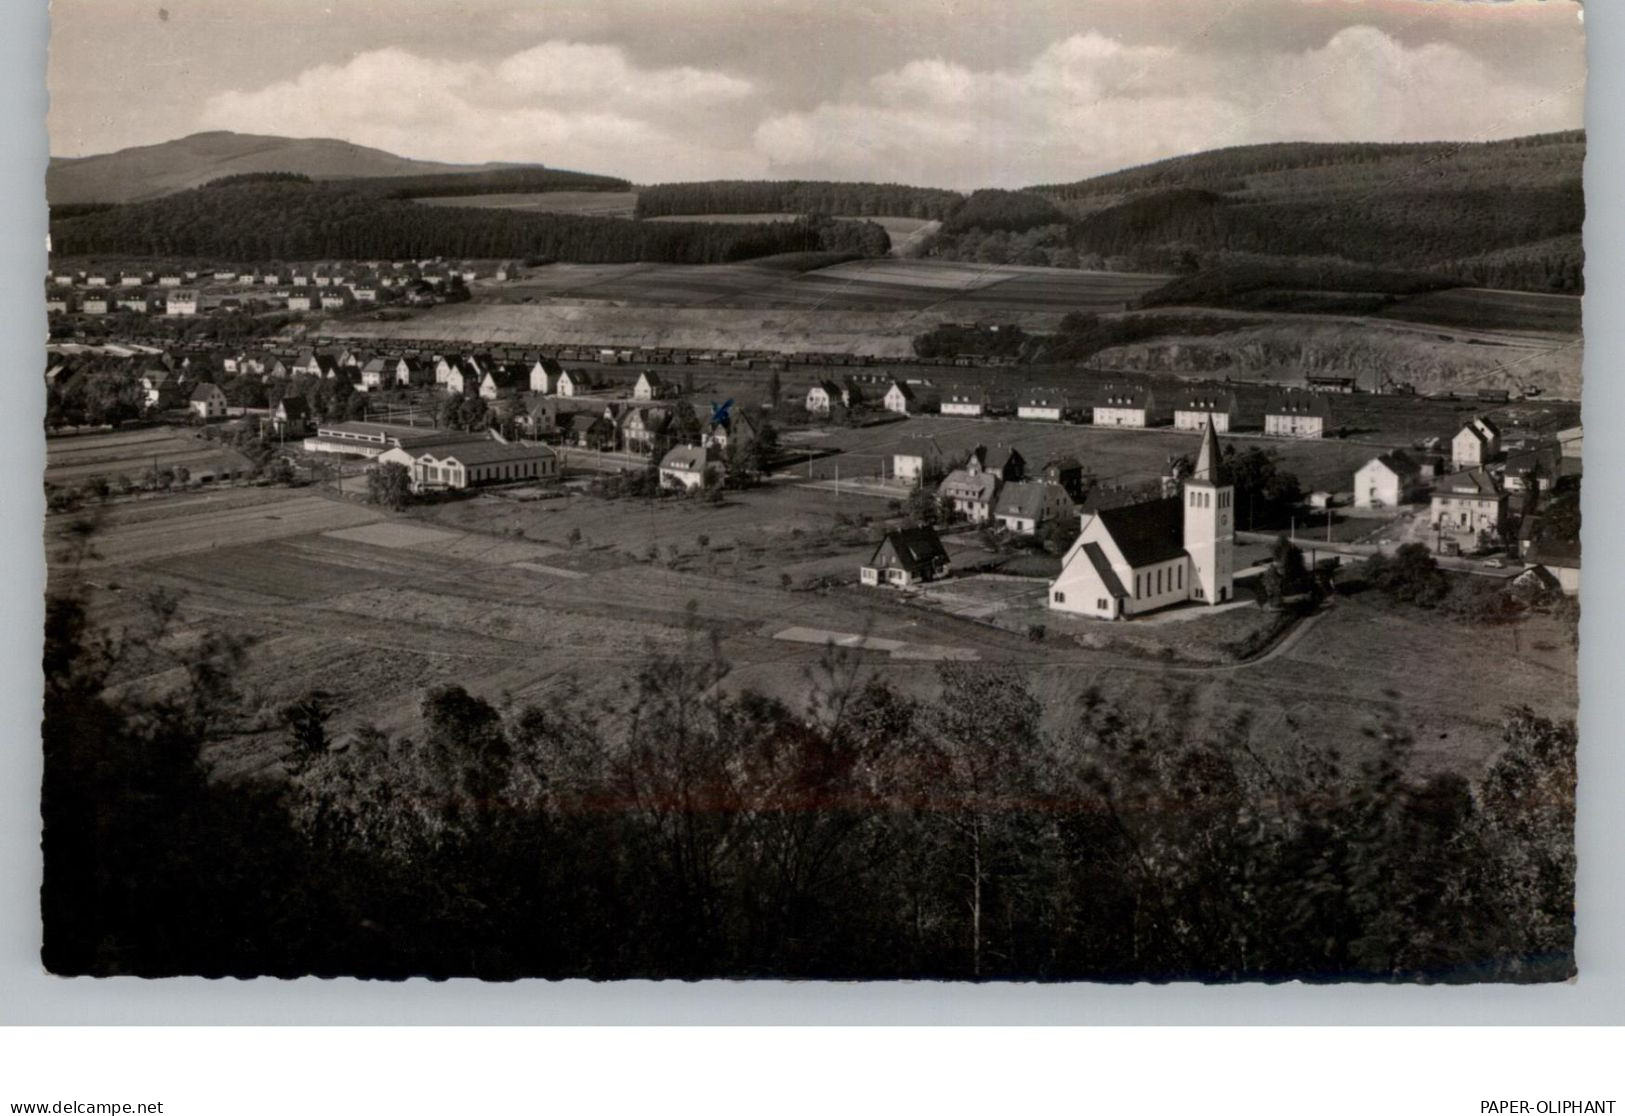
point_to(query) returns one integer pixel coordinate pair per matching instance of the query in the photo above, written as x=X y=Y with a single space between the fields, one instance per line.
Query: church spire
x=1207 y=458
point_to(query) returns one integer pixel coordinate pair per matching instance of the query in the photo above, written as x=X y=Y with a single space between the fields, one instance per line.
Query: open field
x=78 y=457
x=501 y=596
x=904 y=231
x=1115 y=456
x=1496 y=310
x=584 y=203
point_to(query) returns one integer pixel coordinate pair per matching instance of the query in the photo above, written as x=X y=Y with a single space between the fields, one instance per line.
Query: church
x=1141 y=557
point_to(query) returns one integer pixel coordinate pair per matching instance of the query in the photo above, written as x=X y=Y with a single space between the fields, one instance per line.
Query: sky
x=954 y=93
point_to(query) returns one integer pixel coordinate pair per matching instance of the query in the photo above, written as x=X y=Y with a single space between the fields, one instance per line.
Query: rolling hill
x=140 y=173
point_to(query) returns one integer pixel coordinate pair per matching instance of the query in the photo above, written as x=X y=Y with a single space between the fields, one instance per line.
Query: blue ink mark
x=719 y=413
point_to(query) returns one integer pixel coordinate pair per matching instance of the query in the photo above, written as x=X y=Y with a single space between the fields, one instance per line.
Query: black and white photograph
x=957 y=491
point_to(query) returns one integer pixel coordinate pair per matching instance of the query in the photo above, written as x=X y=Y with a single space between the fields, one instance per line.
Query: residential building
x=646 y=430
x=291 y=415
x=649 y=387
x=544 y=374
x=1387 y=481
x=503 y=379
x=1467 y=503
x=1027 y=507
x=972 y=495
x=1330 y=385
x=1042 y=405
x=376 y=375
x=687 y=467
x=207 y=402
x=1124 y=405
x=301 y=298
x=1066 y=471
x=907 y=557
x=1194 y=410
x=1476 y=444
x=900 y=399
x=1296 y=414
x=964 y=404
x=1139 y=557
x=822 y=397
x=568 y=384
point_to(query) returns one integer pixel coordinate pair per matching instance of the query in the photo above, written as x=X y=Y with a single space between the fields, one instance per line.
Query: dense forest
x=1504 y=214
x=261 y=220
x=701 y=832
x=505 y=180
x=832 y=199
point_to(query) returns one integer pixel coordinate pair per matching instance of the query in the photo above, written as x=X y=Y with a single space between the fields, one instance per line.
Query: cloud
x=566 y=104
x=1090 y=103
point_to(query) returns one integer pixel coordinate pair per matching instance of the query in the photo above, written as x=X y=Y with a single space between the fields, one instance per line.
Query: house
x=1143 y=556
x=291 y=415
x=1012 y=468
x=965 y=404
x=906 y=557
x=567 y=385
x=1559 y=561
x=469 y=464
x=503 y=379
x=918 y=468
x=1296 y=414
x=1476 y=444
x=302 y=298
x=60 y=303
x=181 y=303
x=1569 y=442
x=1026 y=507
x=900 y=399
x=207 y=402
x=971 y=494
x=160 y=388
x=589 y=430
x=376 y=375
x=1467 y=503
x=97 y=304
x=544 y=374
x=134 y=302
x=335 y=298
x=1194 y=410
x=170 y=279
x=649 y=387
x=646 y=430
x=96 y=279
x=1387 y=481
x=687 y=467
x=1042 y=405
x=822 y=397
x=1536 y=469
x=129 y=280
x=737 y=429
x=463 y=377
x=1066 y=471
x=1123 y=405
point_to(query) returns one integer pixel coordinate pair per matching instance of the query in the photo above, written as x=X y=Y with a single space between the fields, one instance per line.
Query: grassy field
x=78 y=457
x=508 y=599
x=1508 y=311
x=585 y=203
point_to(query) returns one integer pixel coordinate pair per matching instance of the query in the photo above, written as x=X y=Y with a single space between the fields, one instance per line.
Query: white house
x=822 y=396
x=1387 y=481
x=207 y=402
x=1296 y=414
x=1478 y=443
x=1194 y=411
x=1467 y=503
x=965 y=404
x=1123 y=405
x=905 y=557
x=971 y=494
x=301 y=298
x=687 y=467
x=1139 y=557
x=1026 y=507
x=1042 y=405
x=544 y=374
x=649 y=387
x=899 y=399
x=180 y=303
x=569 y=385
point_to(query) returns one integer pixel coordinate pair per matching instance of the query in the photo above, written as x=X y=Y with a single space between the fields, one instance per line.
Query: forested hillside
x=834 y=199
x=290 y=219
x=1505 y=214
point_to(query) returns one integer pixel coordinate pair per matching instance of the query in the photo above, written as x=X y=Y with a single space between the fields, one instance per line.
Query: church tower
x=1210 y=525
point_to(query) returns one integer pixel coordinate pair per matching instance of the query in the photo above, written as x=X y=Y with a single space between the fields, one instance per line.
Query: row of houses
x=377 y=273
x=1286 y=414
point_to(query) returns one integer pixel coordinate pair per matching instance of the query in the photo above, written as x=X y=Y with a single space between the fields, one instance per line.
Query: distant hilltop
x=140 y=173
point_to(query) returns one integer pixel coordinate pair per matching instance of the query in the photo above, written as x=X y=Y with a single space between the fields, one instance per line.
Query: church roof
x=1207 y=458
x=1147 y=533
x=1103 y=570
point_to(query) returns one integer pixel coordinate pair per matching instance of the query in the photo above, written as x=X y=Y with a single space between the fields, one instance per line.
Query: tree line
x=833 y=199
x=698 y=830
x=294 y=220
